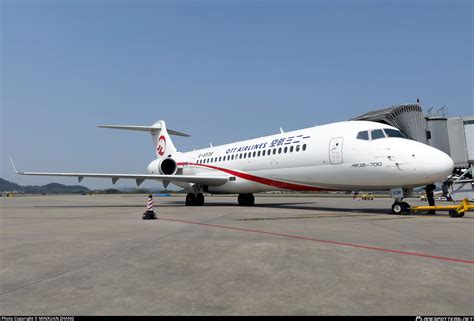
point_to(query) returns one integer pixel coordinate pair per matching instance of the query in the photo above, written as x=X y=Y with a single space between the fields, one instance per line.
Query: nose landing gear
x=400 y=208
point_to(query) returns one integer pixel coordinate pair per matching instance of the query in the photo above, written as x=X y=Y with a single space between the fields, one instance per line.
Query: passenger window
x=304 y=147
x=363 y=135
x=269 y=152
x=377 y=133
x=297 y=148
x=285 y=150
x=254 y=153
x=274 y=151
x=291 y=149
x=258 y=154
x=279 y=150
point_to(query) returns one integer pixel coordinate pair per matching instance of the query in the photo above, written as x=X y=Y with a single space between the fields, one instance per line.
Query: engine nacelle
x=168 y=166
x=165 y=166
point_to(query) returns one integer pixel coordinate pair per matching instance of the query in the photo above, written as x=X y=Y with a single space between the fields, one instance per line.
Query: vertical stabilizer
x=162 y=141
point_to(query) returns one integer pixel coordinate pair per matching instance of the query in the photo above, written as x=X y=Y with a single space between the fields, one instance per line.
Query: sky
x=221 y=71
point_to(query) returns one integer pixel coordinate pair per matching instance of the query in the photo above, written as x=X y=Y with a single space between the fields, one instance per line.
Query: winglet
x=13 y=165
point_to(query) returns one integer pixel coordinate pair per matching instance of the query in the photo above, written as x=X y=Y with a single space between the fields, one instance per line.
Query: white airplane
x=343 y=156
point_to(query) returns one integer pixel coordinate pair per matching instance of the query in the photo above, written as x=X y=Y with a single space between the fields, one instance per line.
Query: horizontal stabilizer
x=156 y=126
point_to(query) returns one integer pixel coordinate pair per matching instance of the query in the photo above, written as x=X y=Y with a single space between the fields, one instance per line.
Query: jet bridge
x=408 y=118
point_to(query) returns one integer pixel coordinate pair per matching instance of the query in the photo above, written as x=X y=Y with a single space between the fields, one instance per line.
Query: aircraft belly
x=312 y=178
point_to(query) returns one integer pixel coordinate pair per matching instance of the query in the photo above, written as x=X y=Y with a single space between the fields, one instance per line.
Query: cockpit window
x=394 y=133
x=377 y=133
x=363 y=135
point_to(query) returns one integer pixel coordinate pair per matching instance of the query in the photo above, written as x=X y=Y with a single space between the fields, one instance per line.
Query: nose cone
x=437 y=164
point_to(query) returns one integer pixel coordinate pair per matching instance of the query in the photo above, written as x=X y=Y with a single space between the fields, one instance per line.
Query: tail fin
x=160 y=134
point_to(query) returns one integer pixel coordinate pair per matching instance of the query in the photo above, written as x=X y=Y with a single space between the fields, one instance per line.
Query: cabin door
x=335 y=150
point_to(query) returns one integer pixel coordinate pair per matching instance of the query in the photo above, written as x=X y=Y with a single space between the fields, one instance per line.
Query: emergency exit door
x=335 y=150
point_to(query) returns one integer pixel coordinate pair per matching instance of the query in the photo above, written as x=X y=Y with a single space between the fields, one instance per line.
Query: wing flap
x=206 y=180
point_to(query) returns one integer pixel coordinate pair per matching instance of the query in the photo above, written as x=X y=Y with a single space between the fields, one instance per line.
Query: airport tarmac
x=288 y=255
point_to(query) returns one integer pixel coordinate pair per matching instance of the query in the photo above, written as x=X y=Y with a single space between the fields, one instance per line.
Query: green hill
x=52 y=188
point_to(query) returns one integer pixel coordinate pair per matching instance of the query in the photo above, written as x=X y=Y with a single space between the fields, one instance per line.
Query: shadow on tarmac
x=282 y=206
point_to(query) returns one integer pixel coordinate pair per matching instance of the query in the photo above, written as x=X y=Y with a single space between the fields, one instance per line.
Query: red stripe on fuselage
x=260 y=180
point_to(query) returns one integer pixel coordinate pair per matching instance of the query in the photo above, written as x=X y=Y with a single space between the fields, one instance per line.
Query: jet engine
x=168 y=166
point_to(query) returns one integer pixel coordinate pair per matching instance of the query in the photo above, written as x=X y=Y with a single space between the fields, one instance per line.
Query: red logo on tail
x=160 y=150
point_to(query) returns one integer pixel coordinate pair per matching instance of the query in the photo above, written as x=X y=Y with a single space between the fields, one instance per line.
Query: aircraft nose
x=439 y=165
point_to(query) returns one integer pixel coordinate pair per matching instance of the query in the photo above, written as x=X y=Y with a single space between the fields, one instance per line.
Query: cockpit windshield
x=363 y=135
x=393 y=133
x=380 y=133
x=377 y=133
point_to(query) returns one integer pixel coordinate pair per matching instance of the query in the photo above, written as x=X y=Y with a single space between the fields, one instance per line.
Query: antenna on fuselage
x=281 y=130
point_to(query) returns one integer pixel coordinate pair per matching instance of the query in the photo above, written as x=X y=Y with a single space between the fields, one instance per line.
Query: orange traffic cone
x=149 y=214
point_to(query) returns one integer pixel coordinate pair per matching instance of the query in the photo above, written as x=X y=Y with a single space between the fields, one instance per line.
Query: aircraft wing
x=139 y=178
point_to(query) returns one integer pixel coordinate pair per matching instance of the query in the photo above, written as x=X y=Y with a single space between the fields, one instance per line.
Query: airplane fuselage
x=350 y=155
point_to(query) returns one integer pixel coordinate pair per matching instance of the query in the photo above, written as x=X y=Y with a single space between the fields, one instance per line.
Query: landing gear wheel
x=251 y=199
x=397 y=208
x=199 y=199
x=405 y=208
x=246 y=199
x=190 y=199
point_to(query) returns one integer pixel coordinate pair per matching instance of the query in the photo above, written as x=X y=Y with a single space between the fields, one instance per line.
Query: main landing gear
x=246 y=199
x=194 y=199
x=197 y=199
